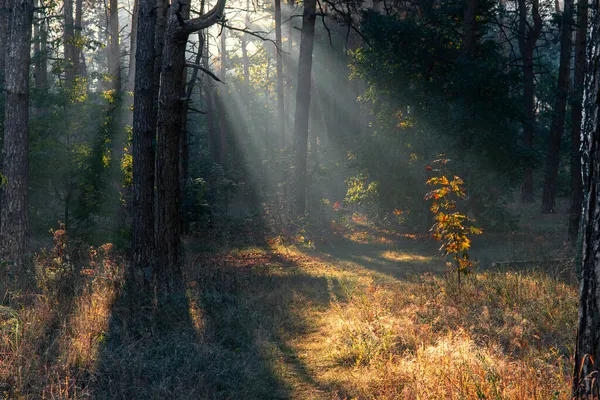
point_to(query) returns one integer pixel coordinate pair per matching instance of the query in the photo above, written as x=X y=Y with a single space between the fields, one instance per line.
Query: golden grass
x=284 y=323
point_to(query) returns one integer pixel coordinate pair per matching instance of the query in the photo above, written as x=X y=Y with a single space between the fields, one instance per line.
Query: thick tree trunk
x=576 y=117
x=5 y=7
x=168 y=269
x=528 y=36
x=303 y=106
x=560 y=110
x=280 y=93
x=587 y=348
x=144 y=132
x=14 y=221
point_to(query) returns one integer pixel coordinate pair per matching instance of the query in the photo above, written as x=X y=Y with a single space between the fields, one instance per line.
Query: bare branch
x=206 y=71
x=206 y=20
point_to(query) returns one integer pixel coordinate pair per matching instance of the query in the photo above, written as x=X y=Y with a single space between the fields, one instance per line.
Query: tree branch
x=206 y=20
x=206 y=71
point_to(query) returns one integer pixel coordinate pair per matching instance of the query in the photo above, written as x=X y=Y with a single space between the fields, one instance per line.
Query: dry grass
x=286 y=323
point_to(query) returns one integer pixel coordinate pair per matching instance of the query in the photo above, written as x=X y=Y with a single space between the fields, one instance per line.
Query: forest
x=316 y=199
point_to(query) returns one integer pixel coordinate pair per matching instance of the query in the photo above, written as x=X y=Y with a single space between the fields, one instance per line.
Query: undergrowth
x=284 y=322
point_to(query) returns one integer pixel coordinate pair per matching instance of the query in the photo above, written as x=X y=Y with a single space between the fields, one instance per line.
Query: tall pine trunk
x=5 y=6
x=168 y=272
x=69 y=43
x=303 y=106
x=587 y=347
x=223 y=135
x=114 y=52
x=560 y=111
x=576 y=117
x=14 y=221
x=280 y=93
x=528 y=36
x=144 y=132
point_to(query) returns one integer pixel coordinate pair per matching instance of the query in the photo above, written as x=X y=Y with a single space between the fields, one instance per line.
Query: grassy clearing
x=354 y=320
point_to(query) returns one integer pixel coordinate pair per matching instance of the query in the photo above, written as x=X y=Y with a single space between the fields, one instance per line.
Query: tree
x=4 y=35
x=560 y=111
x=114 y=52
x=470 y=27
x=303 y=106
x=587 y=346
x=528 y=36
x=178 y=28
x=144 y=132
x=223 y=148
x=14 y=221
x=69 y=39
x=576 y=117
x=280 y=96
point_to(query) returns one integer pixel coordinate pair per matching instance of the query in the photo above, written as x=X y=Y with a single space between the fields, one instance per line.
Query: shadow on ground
x=226 y=339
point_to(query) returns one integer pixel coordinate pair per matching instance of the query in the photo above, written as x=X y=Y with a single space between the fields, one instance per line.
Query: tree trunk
x=69 y=43
x=223 y=137
x=245 y=59
x=5 y=6
x=280 y=93
x=560 y=110
x=528 y=36
x=587 y=346
x=576 y=116
x=14 y=221
x=213 y=134
x=40 y=71
x=78 y=51
x=114 y=52
x=470 y=27
x=144 y=132
x=168 y=270
x=133 y=44
x=303 y=105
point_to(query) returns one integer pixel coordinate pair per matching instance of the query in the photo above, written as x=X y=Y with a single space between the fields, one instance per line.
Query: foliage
x=426 y=97
x=451 y=228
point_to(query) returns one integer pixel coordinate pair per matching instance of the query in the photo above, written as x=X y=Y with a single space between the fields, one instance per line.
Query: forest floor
x=368 y=314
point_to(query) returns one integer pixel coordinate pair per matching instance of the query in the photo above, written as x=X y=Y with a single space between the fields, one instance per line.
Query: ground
x=370 y=313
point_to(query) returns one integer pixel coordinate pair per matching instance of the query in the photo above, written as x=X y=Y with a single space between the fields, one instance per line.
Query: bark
x=159 y=41
x=528 y=36
x=470 y=27
x=245 y=59
x=303 y=106
x=14 y=221
x=5 y=6
x=144 y=132
x=576 y=117
x=114 y=52
x=280 y=93
x=587 y=346
x=223 y=137
x=168 y=269
x=69 y=46
x=133 y=44
x=40 y=56
x=213 y=134
x=78 y=51
x=560 y=110
x=184 y=150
